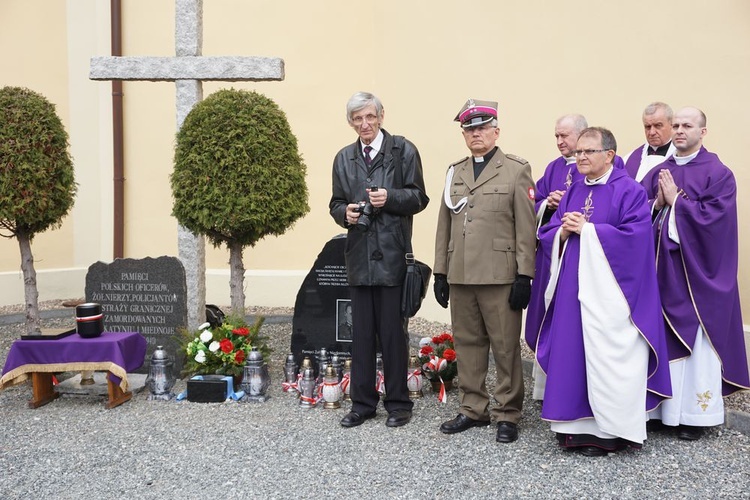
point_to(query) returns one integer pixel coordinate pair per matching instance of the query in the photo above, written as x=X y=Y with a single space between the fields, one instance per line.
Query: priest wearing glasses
x=602 y=344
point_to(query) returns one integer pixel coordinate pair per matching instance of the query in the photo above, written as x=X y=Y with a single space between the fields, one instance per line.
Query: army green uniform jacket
x=493 y=238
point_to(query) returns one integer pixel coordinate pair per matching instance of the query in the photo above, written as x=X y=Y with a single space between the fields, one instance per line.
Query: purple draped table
x=115 y=352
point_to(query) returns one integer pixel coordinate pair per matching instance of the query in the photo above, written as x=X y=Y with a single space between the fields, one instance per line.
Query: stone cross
x=188 y=69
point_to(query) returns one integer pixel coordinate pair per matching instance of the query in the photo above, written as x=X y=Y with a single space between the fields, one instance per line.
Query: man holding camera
x=484 y=259
x=376 y=206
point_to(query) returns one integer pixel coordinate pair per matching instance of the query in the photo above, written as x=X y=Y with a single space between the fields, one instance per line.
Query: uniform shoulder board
x=459 y=161
x=516 y=158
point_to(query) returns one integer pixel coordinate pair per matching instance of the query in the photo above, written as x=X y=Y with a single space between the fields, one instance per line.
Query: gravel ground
x=74 y=448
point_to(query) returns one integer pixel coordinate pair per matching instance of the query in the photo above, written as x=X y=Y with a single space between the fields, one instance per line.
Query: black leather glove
x=520 y=293
x=442 y=289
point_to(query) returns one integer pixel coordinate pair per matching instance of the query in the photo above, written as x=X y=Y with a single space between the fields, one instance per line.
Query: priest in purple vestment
x=657 y=124
x=559 y=175
x=602 y=344
x=694 y=198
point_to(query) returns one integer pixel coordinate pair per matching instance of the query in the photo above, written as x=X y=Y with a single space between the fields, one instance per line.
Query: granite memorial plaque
x=322 y=310
x=148 y=296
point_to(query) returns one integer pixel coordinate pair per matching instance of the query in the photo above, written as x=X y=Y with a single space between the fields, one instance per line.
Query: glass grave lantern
x=255 y=379
x=160 y=378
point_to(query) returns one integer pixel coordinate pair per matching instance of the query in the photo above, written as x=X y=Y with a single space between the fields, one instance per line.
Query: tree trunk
x=237 y=279
x=31 y=294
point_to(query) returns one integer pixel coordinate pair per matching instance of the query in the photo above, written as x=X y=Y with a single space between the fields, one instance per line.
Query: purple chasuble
x=634 y=161
x=698 y=277
x=558 y=176
x=623 y=226
x=618 y=163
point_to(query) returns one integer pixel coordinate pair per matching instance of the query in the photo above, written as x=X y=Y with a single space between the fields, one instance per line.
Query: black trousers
x=376 y=312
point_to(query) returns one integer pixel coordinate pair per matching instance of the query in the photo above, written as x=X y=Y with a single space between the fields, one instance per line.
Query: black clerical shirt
x=661 y=150
x=479 y=165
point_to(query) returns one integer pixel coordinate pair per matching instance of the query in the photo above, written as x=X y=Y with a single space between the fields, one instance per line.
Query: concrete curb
x=12 y=319
x=737 y=420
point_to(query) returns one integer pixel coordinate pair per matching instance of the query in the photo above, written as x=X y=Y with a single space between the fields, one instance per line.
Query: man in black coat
x=376 y=206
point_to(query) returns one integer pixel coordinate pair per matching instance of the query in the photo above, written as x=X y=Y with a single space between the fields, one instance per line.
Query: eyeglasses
x=370 y=119
x=588 y=152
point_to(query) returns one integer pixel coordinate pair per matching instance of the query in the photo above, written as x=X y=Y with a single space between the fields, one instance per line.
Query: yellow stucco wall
x=29 y=63
x=539 y=59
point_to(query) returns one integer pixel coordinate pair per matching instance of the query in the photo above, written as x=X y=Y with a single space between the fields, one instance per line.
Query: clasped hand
x=572 y=222
x=553 y=200
x=667 y=189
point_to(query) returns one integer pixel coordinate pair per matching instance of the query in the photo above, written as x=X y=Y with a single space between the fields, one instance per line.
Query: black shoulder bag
x=417 y=278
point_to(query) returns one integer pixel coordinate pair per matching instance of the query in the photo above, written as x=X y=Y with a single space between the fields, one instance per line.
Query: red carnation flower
x=438 y=339
x=449 y=355
x=426 y=350
x=226 y=346
x=239 y=358
x=446 y=337
x=241 y=331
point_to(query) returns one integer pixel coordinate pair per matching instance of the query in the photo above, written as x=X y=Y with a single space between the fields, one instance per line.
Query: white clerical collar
x=375 y=144
x=600 y=180
x=682 y=160
x=569 y=159
x=479 y=159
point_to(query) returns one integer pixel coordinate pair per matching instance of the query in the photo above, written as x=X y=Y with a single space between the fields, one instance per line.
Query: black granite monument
x=148 y=296
x=322 y=311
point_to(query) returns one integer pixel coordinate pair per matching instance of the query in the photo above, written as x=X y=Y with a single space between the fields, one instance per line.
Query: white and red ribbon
x=345 y=383
x=442 y=395
x=312 y=401
x=380 y=382
x=319 y=392
x=435 y=365
x=287 y=386
x=86 y=319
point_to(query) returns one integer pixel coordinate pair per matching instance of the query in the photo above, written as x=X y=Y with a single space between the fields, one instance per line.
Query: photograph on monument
x=343 y=320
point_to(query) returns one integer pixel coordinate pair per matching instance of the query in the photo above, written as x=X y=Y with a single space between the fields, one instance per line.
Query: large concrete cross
x=188 y=69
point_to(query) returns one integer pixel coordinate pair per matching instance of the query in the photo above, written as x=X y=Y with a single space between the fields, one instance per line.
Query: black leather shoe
x=689 y=432
x=397 y=418
x=353 y=419
x=592 y=451
x=507 y=432
x=461 y=423
x=655 y=426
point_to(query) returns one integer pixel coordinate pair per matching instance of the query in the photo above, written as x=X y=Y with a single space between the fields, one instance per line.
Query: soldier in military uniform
x=484 y=259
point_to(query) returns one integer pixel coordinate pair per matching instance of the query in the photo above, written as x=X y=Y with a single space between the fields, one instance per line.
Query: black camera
x=367 y=213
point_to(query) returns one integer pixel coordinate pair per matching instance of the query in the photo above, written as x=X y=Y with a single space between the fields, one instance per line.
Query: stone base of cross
x=188 y=70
